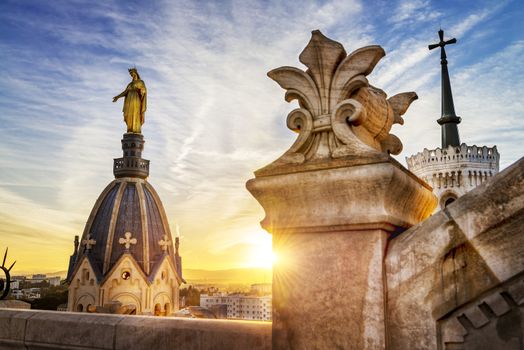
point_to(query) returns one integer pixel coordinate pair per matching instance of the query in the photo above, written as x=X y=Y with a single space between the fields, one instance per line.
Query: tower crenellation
x=453 y=171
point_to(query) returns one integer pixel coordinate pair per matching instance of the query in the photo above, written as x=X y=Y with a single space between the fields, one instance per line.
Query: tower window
x=126 y=275
x=449 y=201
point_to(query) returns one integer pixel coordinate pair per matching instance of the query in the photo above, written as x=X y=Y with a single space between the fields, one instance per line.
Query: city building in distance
x=252 y=306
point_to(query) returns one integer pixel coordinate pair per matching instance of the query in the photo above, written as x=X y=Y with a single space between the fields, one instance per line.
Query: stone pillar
x=332 y=201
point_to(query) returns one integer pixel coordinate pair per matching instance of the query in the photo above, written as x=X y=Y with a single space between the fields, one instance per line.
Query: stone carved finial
x=127 y=241
x=164 y=243
x=88 y=242
x=341 y=114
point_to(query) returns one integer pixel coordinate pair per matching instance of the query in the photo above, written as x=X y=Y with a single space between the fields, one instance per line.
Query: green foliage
x=50 y=299
x=26 y=284
x=192 y=296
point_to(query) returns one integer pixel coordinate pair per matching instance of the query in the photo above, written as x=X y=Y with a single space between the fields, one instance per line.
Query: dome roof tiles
x=127 y=205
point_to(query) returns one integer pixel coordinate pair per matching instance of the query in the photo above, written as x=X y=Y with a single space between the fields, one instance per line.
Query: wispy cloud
x=410 y=11
x=213 y=116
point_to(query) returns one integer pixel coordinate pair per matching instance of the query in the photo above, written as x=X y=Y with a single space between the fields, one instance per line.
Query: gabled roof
x=86 y=256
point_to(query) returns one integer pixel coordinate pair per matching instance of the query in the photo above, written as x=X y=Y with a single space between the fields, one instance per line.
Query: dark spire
x=448 y=119
x=177 y=244
x=72 y=260
x=77 y=242
x=178 y=259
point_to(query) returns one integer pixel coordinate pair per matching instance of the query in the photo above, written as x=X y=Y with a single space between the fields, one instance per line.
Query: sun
x=274 y=258
x=261 y=253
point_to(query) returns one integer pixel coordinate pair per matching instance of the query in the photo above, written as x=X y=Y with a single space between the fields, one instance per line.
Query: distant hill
x=62 y=274
x=199 y=276
x=231 y=276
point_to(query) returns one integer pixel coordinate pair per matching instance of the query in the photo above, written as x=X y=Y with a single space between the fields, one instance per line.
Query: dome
x=128 y=217
x=127 y=205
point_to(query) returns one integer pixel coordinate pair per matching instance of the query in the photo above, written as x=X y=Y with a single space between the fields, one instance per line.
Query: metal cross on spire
x=448 y=119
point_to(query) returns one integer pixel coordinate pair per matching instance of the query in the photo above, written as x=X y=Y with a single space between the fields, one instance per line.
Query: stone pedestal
x=330 y=231
x=333 y=198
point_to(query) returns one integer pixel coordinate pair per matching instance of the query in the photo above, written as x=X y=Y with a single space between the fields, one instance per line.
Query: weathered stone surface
x=14 y=304
x=21 y=329
x=476 y=317
x=343 y=198
x=333 y=198
x=497 y=304
x=170 y=333
x=516 y=291
x=457 y=256
x=453 y=331
x=328 y=290
x=497 y=207
x=481 y=327
x=341 y=116
x=13 y=328
x=332 y=225
x=71 y=329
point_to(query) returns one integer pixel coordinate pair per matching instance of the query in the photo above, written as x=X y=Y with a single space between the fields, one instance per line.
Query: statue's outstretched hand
x=115 y=98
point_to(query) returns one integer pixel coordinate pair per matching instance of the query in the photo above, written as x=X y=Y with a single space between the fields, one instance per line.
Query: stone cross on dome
x=88 y=242
x=127 y=241
x=164 y=243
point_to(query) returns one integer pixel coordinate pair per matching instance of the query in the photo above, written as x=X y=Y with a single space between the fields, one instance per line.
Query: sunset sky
x=213 y=115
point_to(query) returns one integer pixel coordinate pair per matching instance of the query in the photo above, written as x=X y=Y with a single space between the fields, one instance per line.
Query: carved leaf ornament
x=340 y=113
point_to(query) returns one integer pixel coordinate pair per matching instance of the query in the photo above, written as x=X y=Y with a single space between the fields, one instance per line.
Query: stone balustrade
x=35 y=329
x=128 y=166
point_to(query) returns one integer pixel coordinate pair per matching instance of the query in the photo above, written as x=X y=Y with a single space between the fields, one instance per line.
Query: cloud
x=213 y=115
x=410 y=11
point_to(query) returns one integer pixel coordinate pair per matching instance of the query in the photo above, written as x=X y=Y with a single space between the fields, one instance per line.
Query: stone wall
x=32 y=329
x=455 y=280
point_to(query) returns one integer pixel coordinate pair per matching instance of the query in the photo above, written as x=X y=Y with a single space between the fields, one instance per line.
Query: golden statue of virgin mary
x=135 y=102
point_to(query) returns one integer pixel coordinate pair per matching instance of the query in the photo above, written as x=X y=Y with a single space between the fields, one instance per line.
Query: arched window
x=158 y=310
x=449 y=201
x=167 y=308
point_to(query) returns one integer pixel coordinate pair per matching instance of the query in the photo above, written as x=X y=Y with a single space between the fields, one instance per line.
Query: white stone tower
x=455 y=168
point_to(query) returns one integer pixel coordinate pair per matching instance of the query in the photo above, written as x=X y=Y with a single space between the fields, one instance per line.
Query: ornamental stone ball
x=135 y=102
